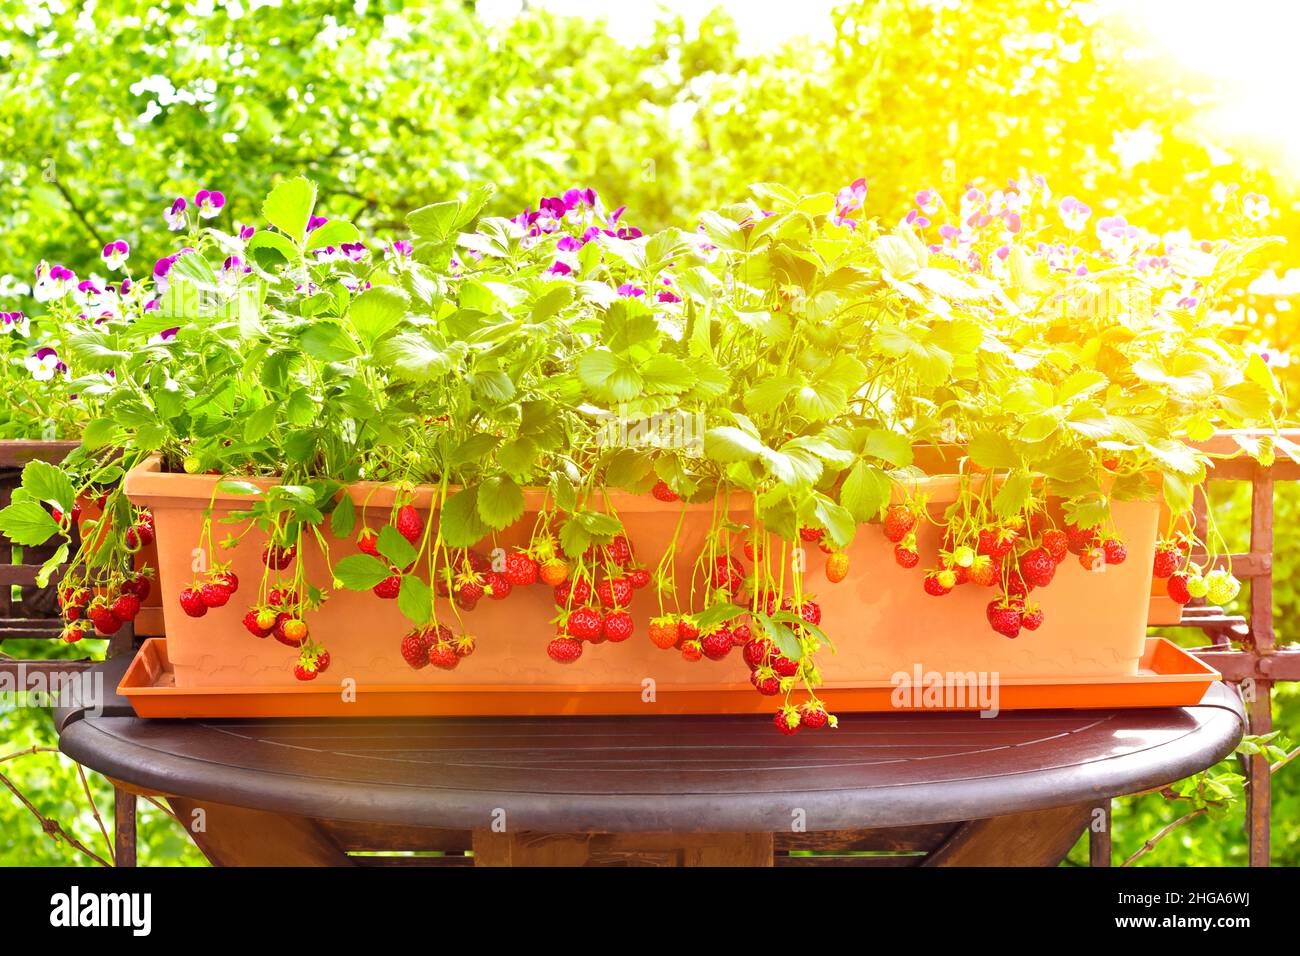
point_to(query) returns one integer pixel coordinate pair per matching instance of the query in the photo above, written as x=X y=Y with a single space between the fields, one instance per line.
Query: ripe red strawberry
x=757 y=651
x=782 y=721
x=618 y=626
x=1057 y=544
x=837 y=566
x=639 y=577
x=939 y=583
x=277 y=631
x=278 y=557
x=662 y=492
x=1167 y=560
x=741 y=635
x=498 y=586
x=105 y=621
x=464 y=645
x=368 y=543
x=266 y=619
x=521 y=569
x=415 y=648
x=469 y=588
x=982 y=572
x=1092 y=559
x=553 y=572
x=1177 y=587
x=899 y=522
x=1017 y=586
x=139 y=535
x=72 y=634
x=766 y=682
x=811 y=612
x=752 y=553
x=687 y=630
x=619 y=551
x=126 y=607
x=784 y=666
x=564 y=650
x=663 y=631
x=692 y=651
x=614 y=592
x=226 y=579
x=1005 y=617
x=322 y=662
x=443 y=655
x=576 y=592
x=409 y=524
x=389 y=587
x=303 y=671
x=906 y=557
x=813 y=715
x=996 y=542
x=1037 y=566
x=254 y=626
x=214 y=595
x=138 y=585
x=1115 y=551
x=1079 y=539
x=585 y=624
x=192 y=602
x=716 y=644
x=1032 y=617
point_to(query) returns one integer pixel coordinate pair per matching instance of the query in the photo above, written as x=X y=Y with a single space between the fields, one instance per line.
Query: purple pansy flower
x=115 y=254
x=560 y=268
x=13 y=322
x=175 y=216
x=399 y=249
x=52 y=282
x=1254 y=206
x=1074 y=214
x=208 y=203
x=246 y=232
x=315 y=222
x=628 y=291
x=355 y=251
x=43 y=363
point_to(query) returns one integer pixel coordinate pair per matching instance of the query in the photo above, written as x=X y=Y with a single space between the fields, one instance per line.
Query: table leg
x=622 y=849
x=235 y=836
x=1038 y=838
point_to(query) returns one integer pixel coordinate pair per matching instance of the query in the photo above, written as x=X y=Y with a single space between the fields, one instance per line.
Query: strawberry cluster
x=1185 y=580
x=436 y=645
x=1014 y=557
x=593 y=602
x=105 y=609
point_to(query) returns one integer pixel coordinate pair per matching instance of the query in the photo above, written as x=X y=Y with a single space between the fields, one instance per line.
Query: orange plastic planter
x=1167 y=676
x=880 y=619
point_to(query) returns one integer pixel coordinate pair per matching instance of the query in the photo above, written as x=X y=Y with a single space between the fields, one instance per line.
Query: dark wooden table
x=931 y=789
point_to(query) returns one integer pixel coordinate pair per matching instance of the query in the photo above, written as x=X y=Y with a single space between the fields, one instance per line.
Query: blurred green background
x=1163 y=112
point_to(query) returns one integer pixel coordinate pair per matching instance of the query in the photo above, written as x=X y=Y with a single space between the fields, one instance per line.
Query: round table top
x=641 y=774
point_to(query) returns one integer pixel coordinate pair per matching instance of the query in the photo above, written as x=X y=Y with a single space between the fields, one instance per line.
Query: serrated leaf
x=27 y=523
x=727 y=443
x=289 y=205
x=343 y=519
x=415 y=600
x=48 y=483
x=459 y=521
x=377 y=311
x=399 y=552
x=500 y=502
x=360 y=572
x=865 y=491
x=1014 y=494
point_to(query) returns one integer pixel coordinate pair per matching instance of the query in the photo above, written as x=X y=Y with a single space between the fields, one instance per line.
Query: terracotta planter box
x=880 y=619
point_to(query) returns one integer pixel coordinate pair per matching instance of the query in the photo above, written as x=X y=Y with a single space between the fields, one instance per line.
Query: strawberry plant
x=836 y=365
